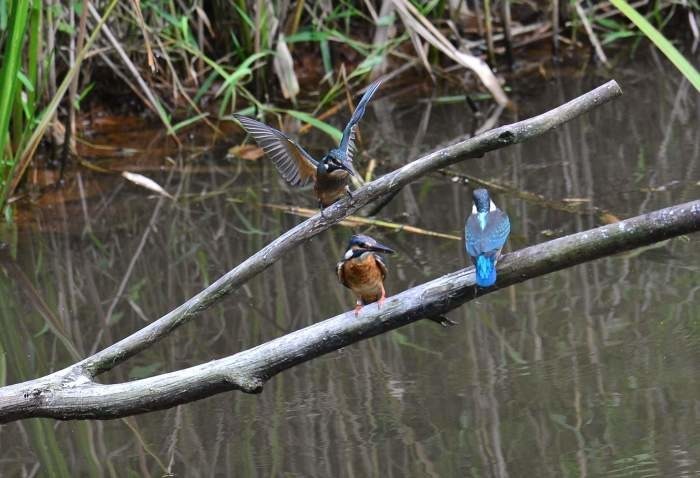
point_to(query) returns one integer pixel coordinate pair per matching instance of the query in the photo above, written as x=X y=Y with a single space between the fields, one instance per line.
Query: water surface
x=591 y=371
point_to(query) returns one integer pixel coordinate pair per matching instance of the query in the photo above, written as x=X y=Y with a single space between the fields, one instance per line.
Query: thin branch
x=591 y=35
x=470 y=148
x=65 y=396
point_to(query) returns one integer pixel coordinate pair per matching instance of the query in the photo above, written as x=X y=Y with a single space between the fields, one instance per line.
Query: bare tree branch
x=470 y=148
x=70 y=395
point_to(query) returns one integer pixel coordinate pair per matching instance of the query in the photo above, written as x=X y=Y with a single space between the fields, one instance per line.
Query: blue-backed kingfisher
x=297 y=167
x=485 y=233
x=363 y=271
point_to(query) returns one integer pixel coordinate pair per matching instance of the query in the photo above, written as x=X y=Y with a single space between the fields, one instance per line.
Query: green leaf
x=307 y=36
x=331 y=131
x=660 y=41
x=189 y=121
x=83 y=94
x=609 y=23
x=326 y=56
x=611 y=37
x=25 y=81
x=65 y=28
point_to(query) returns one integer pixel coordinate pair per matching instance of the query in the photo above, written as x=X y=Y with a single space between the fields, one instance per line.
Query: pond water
x=591 y=371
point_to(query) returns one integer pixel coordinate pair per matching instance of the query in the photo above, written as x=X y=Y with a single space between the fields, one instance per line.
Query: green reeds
x=16 y=157
x=215 y=57
x=660 y=41
x=9 y=87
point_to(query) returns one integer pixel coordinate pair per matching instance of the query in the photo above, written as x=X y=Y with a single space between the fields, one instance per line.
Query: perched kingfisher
x=362 y=270
x=297 y=167
x=486 y=231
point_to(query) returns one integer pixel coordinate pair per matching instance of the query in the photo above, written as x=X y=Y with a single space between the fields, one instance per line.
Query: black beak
x=347 y=167
x=381 y=248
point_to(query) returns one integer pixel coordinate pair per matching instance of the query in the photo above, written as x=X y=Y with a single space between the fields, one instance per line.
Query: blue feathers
x=486 y=231
x=347 y=143
x=485 y=271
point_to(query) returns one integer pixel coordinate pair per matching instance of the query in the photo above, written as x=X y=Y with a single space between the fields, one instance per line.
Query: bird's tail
x=485 y=271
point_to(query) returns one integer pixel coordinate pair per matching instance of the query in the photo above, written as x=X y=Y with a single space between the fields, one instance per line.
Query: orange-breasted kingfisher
x=297 y=167
x=363 y=271
x=486 y=232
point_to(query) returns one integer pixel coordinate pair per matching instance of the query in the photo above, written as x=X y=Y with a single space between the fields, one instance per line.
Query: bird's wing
x=472 y=233
x=496 y=231
x=491 y=239
x=341 y=275
x=347 y=143
x=381 y=264
x=294 y=164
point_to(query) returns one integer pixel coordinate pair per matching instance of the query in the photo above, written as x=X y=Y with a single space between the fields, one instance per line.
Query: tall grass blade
x=331 y=131
x=660 y=41
x=8 y=75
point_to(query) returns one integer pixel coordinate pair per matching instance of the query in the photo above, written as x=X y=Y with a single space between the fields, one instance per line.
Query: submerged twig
x=603 y=215
x=354 y=221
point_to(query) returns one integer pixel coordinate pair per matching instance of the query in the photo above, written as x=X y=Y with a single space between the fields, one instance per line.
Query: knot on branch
x=37 y=395
x=245 y=383
x=506 y=137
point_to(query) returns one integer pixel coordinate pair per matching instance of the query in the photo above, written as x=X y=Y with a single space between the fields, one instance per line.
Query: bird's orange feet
x=358 y=308
x=381 y=300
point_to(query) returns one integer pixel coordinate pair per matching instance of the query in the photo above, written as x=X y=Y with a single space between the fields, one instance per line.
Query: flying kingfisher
x=486 y=231
x=362 y=270
x=297 y=167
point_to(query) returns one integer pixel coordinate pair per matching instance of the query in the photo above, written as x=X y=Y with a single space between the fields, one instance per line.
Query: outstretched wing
x=294 y=164
x=347 y=143
x=491 y=239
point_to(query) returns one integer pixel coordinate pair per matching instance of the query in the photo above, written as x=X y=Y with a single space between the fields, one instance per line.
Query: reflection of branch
x=470 y=148
x=24 y=284
x=66 y=395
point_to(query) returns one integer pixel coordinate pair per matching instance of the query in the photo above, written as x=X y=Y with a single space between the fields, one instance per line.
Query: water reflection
x=585 y=372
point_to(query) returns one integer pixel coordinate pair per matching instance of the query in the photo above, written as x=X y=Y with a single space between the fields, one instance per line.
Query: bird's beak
x=382 y=248
x=347 y=167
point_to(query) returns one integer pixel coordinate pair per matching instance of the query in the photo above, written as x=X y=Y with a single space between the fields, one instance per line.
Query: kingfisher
x=486 y=231
x=297 y=167
x=363 y=271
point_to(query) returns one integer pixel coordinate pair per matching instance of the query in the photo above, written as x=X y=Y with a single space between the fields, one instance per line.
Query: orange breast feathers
x=364 y=276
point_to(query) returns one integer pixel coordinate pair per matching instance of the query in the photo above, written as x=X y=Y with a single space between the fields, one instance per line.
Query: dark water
x=590 y=371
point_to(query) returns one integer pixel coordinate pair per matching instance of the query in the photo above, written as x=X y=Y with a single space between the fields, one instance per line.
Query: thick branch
x=65 y=396
x=470 y=148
